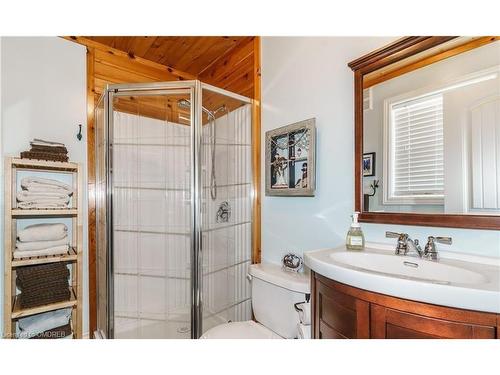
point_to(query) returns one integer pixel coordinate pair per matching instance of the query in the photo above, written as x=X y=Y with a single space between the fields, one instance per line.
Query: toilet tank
x=274 y=292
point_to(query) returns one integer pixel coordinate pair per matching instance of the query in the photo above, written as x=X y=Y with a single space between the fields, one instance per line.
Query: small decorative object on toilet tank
x=292 y=262
x=355 y=239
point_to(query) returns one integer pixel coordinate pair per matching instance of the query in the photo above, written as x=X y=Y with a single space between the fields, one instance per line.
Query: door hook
x=79 y=135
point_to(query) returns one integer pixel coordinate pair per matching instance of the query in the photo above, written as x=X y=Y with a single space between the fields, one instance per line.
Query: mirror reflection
x=431 y=135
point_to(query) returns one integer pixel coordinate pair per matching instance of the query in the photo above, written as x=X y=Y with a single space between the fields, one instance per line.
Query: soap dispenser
x=355 y=239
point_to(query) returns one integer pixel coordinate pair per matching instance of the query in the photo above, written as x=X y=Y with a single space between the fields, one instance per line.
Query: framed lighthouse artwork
x=291 y=160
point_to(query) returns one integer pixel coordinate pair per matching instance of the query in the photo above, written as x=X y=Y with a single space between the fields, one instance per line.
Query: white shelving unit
x=12 y=309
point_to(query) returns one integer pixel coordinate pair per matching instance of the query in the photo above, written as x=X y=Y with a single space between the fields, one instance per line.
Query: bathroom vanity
x=376 y=294
x=342 y=311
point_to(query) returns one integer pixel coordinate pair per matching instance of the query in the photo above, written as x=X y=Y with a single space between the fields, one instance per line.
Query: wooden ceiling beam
x=176 y=73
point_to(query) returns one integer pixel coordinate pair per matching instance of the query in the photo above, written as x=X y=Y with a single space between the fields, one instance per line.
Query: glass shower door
x=150 y=146
x=226 y=204
x=173 y=209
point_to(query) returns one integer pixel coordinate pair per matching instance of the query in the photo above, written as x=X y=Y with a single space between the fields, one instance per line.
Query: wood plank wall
x=238 y=71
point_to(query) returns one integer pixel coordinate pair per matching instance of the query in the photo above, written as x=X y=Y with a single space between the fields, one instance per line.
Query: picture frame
x=369 y=164
x=291 y=160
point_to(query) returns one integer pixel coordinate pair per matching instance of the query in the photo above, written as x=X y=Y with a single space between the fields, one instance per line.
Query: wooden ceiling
x=190 y=54
x=231 y=63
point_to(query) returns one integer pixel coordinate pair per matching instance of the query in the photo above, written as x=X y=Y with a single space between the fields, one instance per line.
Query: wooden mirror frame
x=392 y=53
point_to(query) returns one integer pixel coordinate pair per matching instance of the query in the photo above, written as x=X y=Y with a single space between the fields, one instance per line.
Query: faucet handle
x=402 y=246
x=392 y=234
x=445 y=240
x=430 y=251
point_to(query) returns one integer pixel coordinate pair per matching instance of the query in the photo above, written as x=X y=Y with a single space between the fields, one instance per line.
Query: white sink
x=456 y=280
x=407 y=267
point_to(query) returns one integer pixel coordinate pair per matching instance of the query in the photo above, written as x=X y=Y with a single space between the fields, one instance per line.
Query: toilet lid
x=240 y=330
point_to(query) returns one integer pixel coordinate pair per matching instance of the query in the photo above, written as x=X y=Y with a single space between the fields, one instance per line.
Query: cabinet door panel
x=398 y=332
x=327 y=332
x=394 y=324
x=341 y=313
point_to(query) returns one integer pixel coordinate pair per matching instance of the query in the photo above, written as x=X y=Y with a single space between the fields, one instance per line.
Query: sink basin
x=457 y=280
x=408 y=267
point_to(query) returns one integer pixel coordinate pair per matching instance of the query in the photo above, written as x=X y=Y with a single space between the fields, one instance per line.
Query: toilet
x=274 y=293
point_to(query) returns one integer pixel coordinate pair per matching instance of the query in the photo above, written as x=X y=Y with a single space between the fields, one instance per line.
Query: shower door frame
x=195 y=89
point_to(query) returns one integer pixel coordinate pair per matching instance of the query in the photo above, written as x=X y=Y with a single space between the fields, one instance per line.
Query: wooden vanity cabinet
x=342 y=311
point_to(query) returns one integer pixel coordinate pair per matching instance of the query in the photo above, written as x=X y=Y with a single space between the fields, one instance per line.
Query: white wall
x=309 y=77
x=43 y=95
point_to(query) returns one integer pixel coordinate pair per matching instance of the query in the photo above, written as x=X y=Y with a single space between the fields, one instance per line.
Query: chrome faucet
x=430 y=250
x=415 y=246
x=406 y=245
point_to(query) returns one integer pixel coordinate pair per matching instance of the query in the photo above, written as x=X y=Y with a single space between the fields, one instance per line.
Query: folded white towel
x=29 y=196
x=37 y=187
x=42 y=142
x=40 y=245
x=42 y=205
x=26 y=182
x=43 y=232
x=55 y=250
x=303 y=331
x=35 y=324
x=40 y=188
x=304 y=310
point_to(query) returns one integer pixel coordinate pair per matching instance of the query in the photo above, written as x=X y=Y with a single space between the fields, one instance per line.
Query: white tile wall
x=151 y=219
x=227 y=246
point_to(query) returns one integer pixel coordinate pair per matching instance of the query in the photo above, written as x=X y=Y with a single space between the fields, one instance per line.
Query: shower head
x=221 y=108
x=184 y=103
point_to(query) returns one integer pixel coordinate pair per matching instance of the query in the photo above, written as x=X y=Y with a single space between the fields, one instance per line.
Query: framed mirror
x=427 y=110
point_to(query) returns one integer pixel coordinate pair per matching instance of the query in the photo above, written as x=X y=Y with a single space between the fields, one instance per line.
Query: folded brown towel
x=49 y=149
x=43 y=286
x=44 y=156
x=35 y=278
x=42 y=267
x=54 y=270
x=55 y=333
x=43 y=298
x=44 y=294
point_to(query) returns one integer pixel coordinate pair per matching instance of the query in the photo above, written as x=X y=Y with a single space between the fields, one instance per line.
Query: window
x=368 y=98
x=414 y=151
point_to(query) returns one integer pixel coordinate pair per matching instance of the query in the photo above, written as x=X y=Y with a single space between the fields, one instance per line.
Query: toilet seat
x=240 y=330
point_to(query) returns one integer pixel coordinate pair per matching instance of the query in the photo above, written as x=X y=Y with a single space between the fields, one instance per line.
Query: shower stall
x=174 y=198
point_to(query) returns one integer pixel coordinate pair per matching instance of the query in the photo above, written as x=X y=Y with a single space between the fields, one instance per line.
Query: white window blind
x=367 y=99
x=417 y=149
